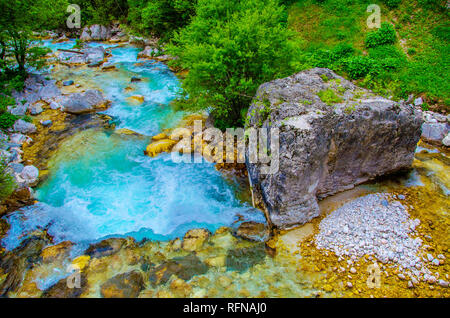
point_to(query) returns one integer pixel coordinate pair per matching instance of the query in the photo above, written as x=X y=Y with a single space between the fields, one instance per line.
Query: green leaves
x=230 y=48
x=384 y=35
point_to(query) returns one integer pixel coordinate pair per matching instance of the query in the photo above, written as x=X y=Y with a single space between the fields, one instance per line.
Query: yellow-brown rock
x=155 y=148
x=55 y=252
x=194 y=239
x=136 y=99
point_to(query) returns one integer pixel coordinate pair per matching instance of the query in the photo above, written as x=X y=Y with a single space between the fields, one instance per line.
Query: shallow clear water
x=101 y=184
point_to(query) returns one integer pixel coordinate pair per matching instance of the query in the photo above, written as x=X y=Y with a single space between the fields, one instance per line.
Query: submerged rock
x=86 y=102
x=62 y=289
x=242 y=259
x=126 y=285
x=253 y=231
x=332 y=136
x=106 y=247
x=194 y=239
x=184 y=267
x=18 y=261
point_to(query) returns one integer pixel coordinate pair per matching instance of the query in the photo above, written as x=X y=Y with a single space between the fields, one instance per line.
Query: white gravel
x=378 y=226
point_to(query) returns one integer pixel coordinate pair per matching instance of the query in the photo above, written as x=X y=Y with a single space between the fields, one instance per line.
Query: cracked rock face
x=333 y=135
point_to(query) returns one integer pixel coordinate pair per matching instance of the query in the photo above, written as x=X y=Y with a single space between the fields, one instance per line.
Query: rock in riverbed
x=86 y=102
x=333 y=135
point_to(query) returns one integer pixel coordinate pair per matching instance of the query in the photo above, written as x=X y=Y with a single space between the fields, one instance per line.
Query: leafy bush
x=230 y=48
x=160 y=17
x=359 y=66
x=384 y=35
x=392 y=3
x=5 y=101
x=7 y=120
x=7 y=183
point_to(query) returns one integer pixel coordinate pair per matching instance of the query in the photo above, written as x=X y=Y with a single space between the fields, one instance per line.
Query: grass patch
x=329 y=97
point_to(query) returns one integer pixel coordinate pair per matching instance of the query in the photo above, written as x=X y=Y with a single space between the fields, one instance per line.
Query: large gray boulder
x=91 y=55
x=333 y=135
x=86 y=102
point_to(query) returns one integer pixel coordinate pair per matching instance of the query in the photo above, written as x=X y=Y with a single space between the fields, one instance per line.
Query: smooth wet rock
x=126 y=285
x=434 y=132
x=16 y=262
x=146 y=53
x=253 y=231
x=24 y=127
x=89 y=101
x=326 y=145
x=106 y=247
x=242 y=259
x=194 y=239
x=21 y=197
x=30 y=174
x=56 y=252
x=184 y=267
x=62 y=289
x=68 y=83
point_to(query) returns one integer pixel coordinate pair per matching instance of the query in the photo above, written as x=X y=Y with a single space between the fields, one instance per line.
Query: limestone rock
x=333 y=135
x=434 y=132
x=86 y=102
x=253 y=231
x=194 y=239
x=29 y=174
x=446 y=140
x=184 y=267
x=106 y=247
x=24 y=127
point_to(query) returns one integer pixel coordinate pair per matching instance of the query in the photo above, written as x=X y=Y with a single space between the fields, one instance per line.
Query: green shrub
x=392 y=3
x=230 y=48
x=7 y=120
x=5 y=101
x=384 y=35
x=7 y=183
x=27 y=118
x=329 y=97
x=442 y=32
x=359 y=66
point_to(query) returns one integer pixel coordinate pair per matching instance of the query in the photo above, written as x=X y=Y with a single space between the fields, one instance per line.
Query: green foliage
x=102 y=11
x=160 y=17
x=230 y=48
x=18 y=20
x=329 y=97
x=7 y=120
x=384 y=35
x=27 y=118
x=7 y=183
x=5 y=101
x=392 y=3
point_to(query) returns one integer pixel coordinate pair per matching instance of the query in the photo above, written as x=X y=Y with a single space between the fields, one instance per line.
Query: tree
x=230 y=48
x=18 y=20
x=160 y=17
